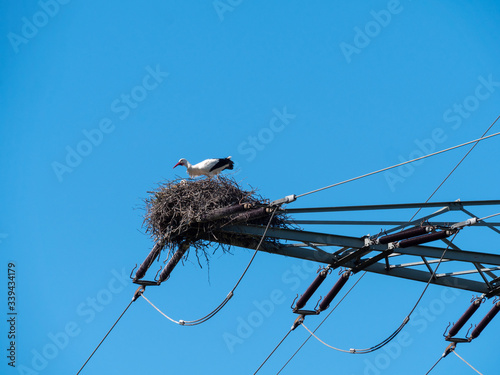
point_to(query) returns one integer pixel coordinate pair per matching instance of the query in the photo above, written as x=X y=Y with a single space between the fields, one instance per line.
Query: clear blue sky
x=101 y=99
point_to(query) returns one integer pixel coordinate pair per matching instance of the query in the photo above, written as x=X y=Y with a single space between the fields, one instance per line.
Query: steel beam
x=309 y=246
x=423 y=276
x=454 y=205
x=357 y=243
x=297 y=235
x=375 y=222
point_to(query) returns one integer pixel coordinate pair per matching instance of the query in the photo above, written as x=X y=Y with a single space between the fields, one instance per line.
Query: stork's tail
x=230 y=163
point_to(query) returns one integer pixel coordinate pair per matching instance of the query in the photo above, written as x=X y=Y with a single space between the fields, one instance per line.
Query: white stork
x=209 y=167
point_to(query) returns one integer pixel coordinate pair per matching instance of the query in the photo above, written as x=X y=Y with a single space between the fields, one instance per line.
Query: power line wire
x=319 y=325
x=488 y=217
x=456 y=166
x=400 y=164
x=434 y=192
x=104 y=338
x=276 y=347
x=230 y=294
x=454 y=352
x=434 y=365
x=405 y=321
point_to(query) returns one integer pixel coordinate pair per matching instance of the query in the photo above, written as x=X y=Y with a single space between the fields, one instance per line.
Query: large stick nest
x=182 y=211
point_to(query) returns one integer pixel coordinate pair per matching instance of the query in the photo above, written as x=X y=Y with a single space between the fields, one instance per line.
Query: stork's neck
x=188 y=165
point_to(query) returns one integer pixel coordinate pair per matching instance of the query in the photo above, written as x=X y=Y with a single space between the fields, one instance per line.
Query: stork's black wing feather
x=227 y=163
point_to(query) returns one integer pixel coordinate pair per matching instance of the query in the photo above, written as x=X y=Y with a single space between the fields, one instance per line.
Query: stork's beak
x=179 y=163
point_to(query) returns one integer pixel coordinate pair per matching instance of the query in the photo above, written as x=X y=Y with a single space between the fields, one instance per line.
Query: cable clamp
x=297 y=322
x=449 y=349
x=138 y=292
x=352 y=350
x=288 y=199
x=182 y=322
x=465 y=223
x=367 y=241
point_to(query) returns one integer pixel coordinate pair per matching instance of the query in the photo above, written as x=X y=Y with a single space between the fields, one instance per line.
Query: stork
x=208 y=167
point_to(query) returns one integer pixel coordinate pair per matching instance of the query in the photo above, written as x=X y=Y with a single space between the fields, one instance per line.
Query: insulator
x=165 y=273
x=425 y=238
x=408 y=233
x=334 y=291
x=143 y=268
x=483 y=323
x=310 y=291
x=256 y=213
x=464 y=318
x=223 y=212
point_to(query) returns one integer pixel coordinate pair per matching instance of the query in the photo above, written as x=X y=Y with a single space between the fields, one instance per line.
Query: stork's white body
x=208 y=167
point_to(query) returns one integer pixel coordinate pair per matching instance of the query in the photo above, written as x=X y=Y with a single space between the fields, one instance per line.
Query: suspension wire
x=319 y=325
x=434 y=365
x=456 y=166
x=104 y=338
x=434 y=192
x=311 y=333
x=454 y=352
x=405 y=321
x=488 y=217
x=230 y=294
x=400 y=164
x=270 y=354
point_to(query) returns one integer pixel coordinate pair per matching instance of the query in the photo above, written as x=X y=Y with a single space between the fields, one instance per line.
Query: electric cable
x=434 y=365
x=405 y=321
x=400 y=164
x=230 y=294
x=319 y=325
x=276 y=347
x=104 y=338
x=454 y=352
x=488 y=217
x=456 y=166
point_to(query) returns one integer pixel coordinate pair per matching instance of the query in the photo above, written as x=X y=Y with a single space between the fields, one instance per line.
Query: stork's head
x=181 y=162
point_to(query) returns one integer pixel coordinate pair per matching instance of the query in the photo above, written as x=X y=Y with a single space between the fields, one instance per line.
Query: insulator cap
x=425 y=238
x=464 y=318
x=483 y=323
x=165 y=273
x=253 y=214
x=408 y=233
x=334 y=291
x=143 y=268
x=310 y=291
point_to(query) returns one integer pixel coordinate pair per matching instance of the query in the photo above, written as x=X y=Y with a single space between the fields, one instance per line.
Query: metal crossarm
x=324 y=248
x=454 y=205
